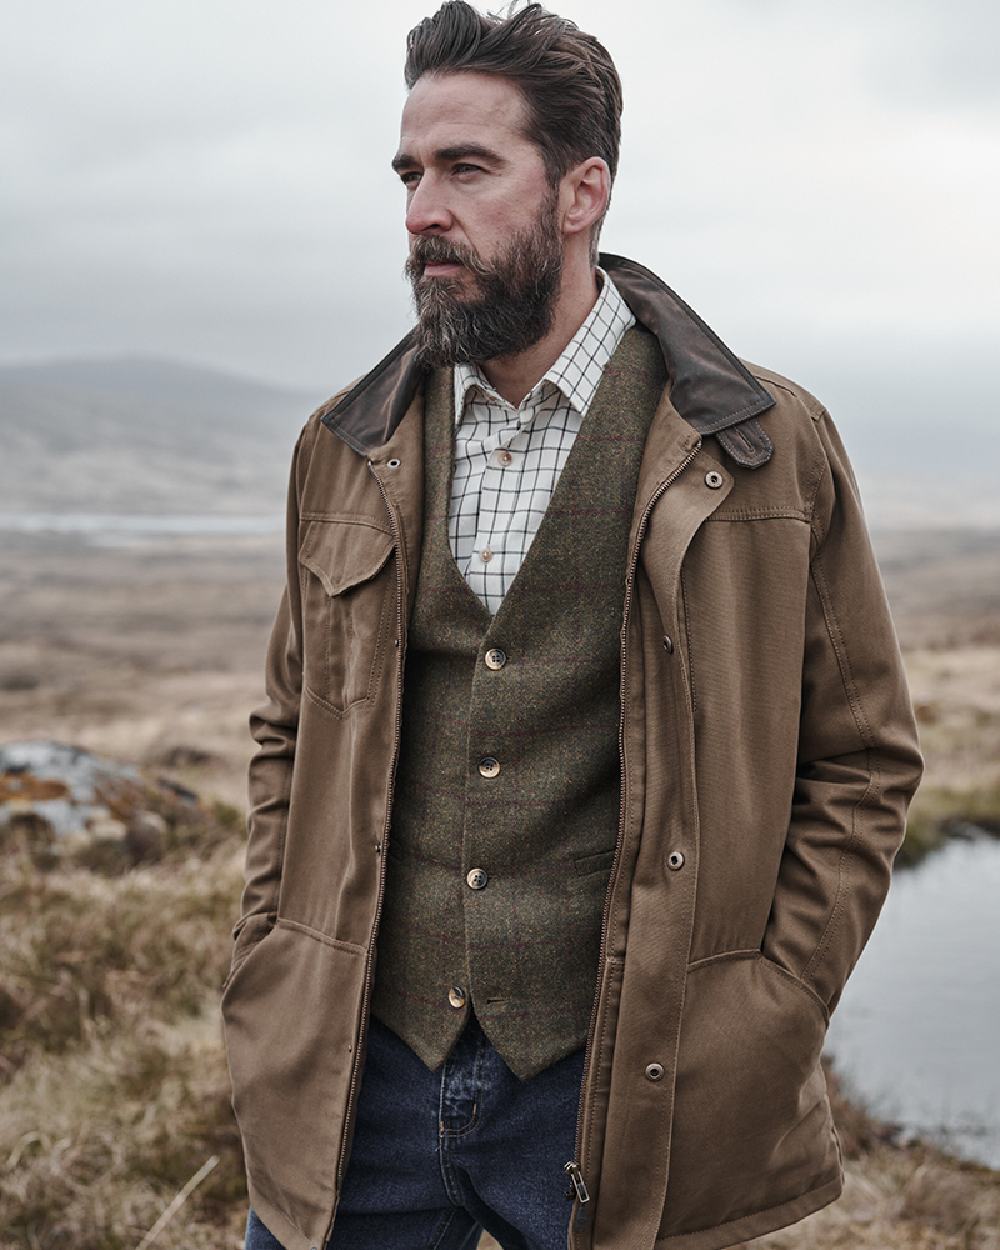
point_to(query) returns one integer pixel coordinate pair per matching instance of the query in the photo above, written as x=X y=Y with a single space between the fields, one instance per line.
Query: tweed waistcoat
x=496 y=876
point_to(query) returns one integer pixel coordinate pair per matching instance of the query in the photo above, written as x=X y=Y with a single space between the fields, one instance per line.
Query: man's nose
x=427 y=209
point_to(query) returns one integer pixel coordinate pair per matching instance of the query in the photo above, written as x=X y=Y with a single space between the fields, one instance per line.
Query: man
x=545 y=938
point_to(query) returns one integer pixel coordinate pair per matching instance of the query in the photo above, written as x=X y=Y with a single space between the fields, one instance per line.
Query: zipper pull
x=576 y=1176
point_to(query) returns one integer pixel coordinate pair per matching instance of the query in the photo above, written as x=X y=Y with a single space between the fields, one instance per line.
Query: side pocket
x=249 y=933
x=290 y=1018
x=752 y=1121
x=800 y=985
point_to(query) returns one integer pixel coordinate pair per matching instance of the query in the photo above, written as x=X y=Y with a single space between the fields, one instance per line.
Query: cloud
x=932 y=56
x=212 y=182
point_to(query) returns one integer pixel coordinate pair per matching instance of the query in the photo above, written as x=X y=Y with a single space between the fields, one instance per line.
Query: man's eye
x=464 y=168
x=409 y=178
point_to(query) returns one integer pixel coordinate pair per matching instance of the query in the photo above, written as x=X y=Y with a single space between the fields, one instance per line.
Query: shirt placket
x=494 y=517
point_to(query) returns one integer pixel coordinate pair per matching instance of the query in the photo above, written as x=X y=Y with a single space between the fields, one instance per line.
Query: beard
x=513 y=305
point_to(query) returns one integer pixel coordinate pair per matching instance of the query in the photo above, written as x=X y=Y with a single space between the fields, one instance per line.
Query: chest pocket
x=347 y=586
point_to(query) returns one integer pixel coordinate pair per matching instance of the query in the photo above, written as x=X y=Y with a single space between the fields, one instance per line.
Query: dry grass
x=956 y=697
x=80 y=947
x=116 y=1094
x=113 y=1086
x=95 y=1142
x=902 y=1200
x=116 y=1090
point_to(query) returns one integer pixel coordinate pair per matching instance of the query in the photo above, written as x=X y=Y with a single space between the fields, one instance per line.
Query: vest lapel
x=635 y=371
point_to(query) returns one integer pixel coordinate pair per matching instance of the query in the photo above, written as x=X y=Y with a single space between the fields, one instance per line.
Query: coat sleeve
x=273 y=726
x=858 y=760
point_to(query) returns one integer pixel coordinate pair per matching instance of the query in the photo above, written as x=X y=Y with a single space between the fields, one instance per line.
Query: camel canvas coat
x=768 y=752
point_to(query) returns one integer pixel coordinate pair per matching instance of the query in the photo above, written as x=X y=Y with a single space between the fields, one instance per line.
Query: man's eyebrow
x=457 y=152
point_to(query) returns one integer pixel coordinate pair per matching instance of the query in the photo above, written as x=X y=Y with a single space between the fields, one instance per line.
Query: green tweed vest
x=496 y=876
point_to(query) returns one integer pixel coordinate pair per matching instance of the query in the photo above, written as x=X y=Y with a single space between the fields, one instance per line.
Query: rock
x=145 y=836
x=64 y=804
x=28 y=831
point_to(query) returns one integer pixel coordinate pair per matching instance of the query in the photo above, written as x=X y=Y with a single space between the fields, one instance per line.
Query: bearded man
x=545 y=938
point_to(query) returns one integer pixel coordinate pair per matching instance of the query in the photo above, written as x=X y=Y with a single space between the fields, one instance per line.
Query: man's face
x=485 y=246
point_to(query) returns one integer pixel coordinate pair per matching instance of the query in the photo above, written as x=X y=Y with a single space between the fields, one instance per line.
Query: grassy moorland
x=116 y=1131
x=114 y=1099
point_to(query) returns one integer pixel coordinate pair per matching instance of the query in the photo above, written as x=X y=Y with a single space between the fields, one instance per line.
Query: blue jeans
x=439 y=1156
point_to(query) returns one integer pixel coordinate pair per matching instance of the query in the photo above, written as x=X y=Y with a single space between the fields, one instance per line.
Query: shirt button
x=486 y=555
x=495 y=658
x=489 y=766
x=503 y=456
x=456 y=996
x=477 y=878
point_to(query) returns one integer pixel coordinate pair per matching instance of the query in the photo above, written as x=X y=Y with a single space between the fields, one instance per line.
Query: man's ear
x=585 y=191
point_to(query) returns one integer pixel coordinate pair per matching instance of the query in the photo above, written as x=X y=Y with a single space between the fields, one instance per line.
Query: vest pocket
x=345 y=581
x=597 y=861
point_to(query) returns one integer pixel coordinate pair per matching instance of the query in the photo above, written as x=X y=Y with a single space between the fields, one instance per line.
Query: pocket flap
x=343 y=553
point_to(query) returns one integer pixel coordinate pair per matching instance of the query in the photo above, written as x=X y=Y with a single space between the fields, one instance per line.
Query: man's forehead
x=447 y=109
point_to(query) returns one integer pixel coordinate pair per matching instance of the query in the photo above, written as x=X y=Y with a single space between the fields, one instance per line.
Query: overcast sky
x=210 y=181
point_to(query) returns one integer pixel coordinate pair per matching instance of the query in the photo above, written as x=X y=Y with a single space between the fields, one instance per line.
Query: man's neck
x=512 y=377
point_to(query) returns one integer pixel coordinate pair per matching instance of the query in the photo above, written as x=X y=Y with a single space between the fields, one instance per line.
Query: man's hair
x=567 y=78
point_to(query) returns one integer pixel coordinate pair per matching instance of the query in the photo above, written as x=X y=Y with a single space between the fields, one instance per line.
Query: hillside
x=146 y=435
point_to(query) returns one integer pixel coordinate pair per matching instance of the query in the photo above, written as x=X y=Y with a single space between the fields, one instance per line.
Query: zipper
x=574 y=1168
x=576 y=1176
x=355 y=1066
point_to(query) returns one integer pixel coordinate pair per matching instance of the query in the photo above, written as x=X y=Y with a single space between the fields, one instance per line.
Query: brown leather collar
x=711 y=389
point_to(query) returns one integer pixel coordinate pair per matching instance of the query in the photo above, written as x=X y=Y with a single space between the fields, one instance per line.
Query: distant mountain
x=140 y=434
x=144 y=434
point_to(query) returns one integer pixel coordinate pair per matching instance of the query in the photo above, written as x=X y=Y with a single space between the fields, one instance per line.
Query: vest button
x=668 y=644
x=394 y=463
x=495 y=658
x=713 y=479
x=477 y=878
x=654 y=1071
x=489 y=766
x=675 y=859
x=456 y=996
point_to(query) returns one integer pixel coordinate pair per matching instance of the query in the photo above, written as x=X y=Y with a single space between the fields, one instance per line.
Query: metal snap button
x=675 y=859
x=477 y=878
x=668 y=644
x=489 y=766
x=495 y=658
x=654 y=1071
x=713 y=479
x=456 y=996
x=394 y=463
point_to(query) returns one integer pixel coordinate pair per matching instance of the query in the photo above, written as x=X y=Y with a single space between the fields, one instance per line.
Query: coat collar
x=710 y=388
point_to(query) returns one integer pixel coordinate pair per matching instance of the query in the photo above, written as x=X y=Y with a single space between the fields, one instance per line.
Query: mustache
x=432 y=250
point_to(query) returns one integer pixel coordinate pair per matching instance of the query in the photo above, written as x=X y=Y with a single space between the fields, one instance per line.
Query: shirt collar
x=578 y=370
